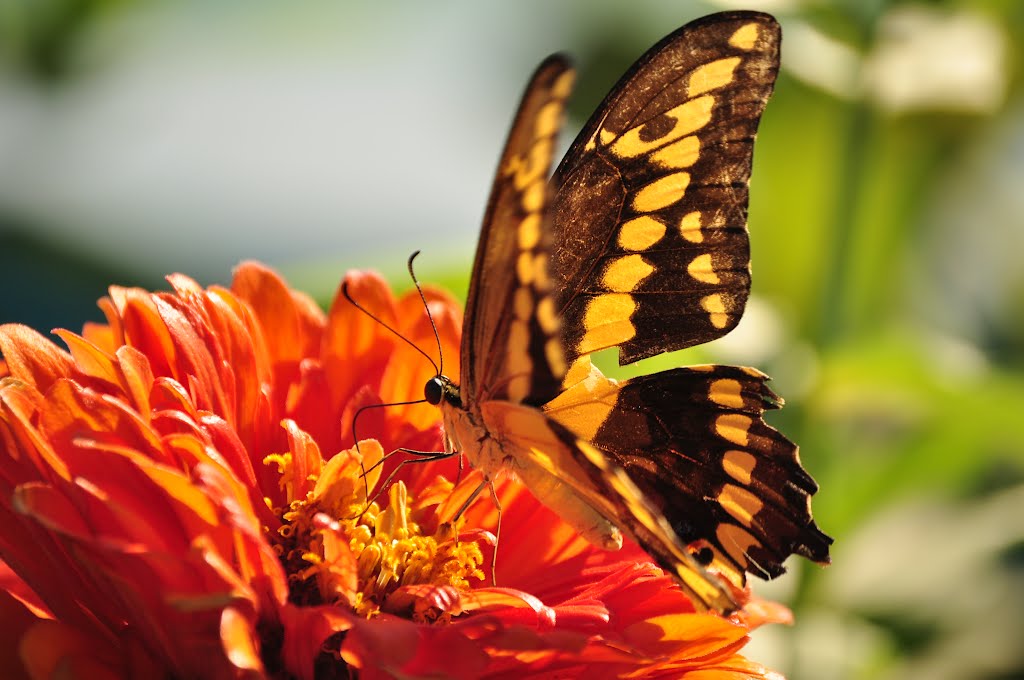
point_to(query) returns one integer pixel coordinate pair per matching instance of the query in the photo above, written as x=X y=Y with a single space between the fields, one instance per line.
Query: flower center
x=339 y=549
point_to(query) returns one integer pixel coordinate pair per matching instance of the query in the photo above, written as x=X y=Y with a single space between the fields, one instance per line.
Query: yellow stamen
x=386 y=547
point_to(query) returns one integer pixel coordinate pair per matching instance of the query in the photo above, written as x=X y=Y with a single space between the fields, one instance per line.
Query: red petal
x=51 y=649
x=15 y=621
x=304 y=630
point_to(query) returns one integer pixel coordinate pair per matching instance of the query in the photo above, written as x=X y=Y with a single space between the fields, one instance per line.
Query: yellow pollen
x=337 y=549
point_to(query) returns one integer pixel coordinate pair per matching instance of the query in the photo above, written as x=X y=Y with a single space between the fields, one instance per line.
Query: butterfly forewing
x=511 y=345
x=651 y=250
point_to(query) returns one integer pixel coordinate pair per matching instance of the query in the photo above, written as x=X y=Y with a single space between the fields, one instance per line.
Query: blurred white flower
x=922 y=59
x=926 y=58
x=820 y=60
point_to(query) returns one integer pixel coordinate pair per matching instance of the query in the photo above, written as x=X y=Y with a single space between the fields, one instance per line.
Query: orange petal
x=32 y=358
x=239 y=640
x=193 y=363
x=690 y=636
x=306 y=460
x=136 y=378
x=292 y=324
x=446 y=314
x=341 y=580
x=101 y=335
x=90 y=359
x=460 y=495
x=356 y=348
x=75 y=413
x=144 y=329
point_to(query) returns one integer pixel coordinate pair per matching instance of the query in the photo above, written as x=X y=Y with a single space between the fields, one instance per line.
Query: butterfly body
x=489 y=450
x=637 y=241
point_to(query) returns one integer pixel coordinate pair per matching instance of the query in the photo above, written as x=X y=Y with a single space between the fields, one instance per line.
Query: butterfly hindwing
x=694 y=442
x=651 y=249
x=576 y=478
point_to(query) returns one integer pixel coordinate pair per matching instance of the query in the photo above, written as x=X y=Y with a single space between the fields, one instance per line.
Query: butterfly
x=637 y=241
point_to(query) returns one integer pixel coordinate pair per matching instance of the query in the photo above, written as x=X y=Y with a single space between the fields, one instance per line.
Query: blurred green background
x=887 y=226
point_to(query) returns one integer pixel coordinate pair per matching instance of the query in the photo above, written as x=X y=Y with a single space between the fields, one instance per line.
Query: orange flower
x=181 y=494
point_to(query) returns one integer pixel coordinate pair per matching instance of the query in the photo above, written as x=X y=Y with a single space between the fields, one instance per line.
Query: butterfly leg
x=488 y=484
x=497 y=536
x=424 y=457
x=472 y=497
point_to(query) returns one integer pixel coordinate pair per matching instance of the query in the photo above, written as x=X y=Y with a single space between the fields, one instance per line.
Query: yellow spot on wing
x=712 y=75
x=640 y=233
x=555 y=355
x=546 y=316
x=745 y=37
x=714 y=305
x=662 y=192
x=519 y=363
x=681 y=154
x=562 y=87
x=726 y=392
x=579 y=370
x=739 y=465
x=736 y=542
x=733 y=427
x=540 y=271
x=607 y=322
x=529 y=231
x=596 y=458
x=518 y=387
x=690 y=227
x=524 y=267
x=587 y=402
x=707 y=591
x=702 y=269
x=533 y=197
x=689 y=117
x=522 y=302
x=548 y=120
x=625 y=274
x=606 y=136
x=535 y=165
x=740 y=503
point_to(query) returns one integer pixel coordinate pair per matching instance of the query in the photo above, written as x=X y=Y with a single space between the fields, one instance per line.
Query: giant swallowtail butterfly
x=638 y=241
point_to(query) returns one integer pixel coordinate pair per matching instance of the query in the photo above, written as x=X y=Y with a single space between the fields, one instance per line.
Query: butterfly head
x=441 y=388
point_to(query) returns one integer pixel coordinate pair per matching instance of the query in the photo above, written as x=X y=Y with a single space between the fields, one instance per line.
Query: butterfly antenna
x=426 y=307
x=364 y=310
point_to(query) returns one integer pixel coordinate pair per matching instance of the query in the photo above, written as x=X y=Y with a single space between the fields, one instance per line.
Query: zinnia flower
x=182 y=495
